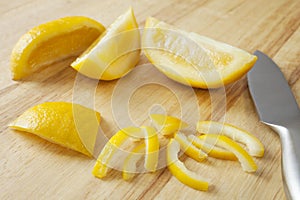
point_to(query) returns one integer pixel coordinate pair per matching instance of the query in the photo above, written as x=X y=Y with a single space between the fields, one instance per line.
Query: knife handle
x=290 y=159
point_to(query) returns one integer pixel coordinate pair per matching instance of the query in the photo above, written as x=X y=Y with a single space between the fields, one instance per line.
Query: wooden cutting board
x=31 y=168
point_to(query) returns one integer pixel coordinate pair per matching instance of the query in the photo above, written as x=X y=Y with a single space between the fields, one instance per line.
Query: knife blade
x=277 y=108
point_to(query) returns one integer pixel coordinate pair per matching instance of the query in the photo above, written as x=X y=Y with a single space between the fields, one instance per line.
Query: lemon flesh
x=51 y=42
x=192 y=59
x=114 y=53
x=69 y=125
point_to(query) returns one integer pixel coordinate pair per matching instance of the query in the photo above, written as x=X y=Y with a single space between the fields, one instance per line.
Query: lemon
x=52 y=42
x=192 y=59
x=167 y=125
x=178 y=169
x=114 y=53
x=189 y=149
x=245 y=159
x=255 y=147
x=129 y=166
x=150 y=142
x=135 y=133
x=210 y=149
x=152 y=148
x=70 y=125
x=102 y=164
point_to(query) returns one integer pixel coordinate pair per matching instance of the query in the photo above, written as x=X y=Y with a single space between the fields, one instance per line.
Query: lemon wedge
x=69 y=125
x=189 y=149
x=210 y=149
x=152 y=148
x=192 y=59
x=52 y=42
x=167 y=125
x=255 y=147
x=178 y=169
x=244 y=158
x=129 y=166
x=114 y=53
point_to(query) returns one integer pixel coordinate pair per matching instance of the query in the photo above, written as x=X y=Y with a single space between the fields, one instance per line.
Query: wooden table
x=31 y=168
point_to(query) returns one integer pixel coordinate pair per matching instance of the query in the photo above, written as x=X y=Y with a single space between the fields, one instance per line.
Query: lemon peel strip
x=101 y=167
x=255 y=147
x=129 y=166
x=244 y=158
x=178 y=169
x=211 y=149
x=167 y=125
x=152 y=148
x=189 y=149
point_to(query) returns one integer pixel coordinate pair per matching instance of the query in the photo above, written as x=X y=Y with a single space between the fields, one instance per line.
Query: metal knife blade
x=272 y=96
x=277 y=107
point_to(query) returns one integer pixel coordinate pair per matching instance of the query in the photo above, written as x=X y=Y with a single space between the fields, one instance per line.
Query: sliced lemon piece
x=70 y=125
x=189 y=149
x=255 y=147
x=129 y=167
x=192 y=59
x=101 y=167
x=167 y=125
x=178 y=169
x=244 y=158
x=52 y=42
x=114 y=53
x=152 y=148
x=210 y=149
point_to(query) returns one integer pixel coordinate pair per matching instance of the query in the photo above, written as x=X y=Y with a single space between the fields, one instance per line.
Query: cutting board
x=31 y=168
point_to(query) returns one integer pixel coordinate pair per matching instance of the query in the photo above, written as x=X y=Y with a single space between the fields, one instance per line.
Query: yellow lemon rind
x=20 y=63
x=177 y=67
x=255 y=147
x=102 y=164
x=167 y=125
x=211 y=149
x=129 y=166
x=152 y=148
x=181 y=173
x=58 y=122
x=111 y=56
x=189 y=149
x=247 y=162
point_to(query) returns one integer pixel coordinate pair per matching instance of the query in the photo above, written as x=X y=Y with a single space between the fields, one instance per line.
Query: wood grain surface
x=31 y=168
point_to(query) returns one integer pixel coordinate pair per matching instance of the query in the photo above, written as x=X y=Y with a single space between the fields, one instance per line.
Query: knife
x=277 y=108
